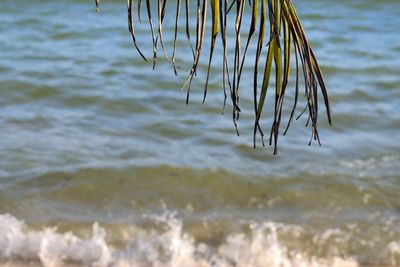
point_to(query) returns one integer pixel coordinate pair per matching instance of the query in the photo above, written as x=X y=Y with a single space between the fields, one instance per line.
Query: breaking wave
x=262 y=245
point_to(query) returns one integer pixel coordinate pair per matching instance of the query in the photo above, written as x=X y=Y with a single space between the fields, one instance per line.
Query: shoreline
x=17 y=263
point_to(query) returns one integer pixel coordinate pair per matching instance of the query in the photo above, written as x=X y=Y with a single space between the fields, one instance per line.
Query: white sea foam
x=173 y=247
x=394 y=251
x=373 y=167
x=49 y=247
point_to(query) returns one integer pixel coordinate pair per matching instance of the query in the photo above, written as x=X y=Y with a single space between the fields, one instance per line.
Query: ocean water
x=103 y=164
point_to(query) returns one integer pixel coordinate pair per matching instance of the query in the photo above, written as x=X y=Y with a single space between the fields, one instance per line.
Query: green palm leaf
x=285 y=35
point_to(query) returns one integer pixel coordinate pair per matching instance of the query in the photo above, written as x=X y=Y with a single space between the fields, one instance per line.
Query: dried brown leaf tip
x=276 y=31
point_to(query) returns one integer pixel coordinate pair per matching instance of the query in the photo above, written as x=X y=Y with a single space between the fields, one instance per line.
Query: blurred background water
x=103 y=164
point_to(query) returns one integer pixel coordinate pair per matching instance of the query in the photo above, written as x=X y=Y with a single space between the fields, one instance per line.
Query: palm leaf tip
x=286 y=38
x=97 y=5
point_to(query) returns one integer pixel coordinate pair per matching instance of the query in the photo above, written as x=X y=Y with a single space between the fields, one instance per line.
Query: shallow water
x=103 y=164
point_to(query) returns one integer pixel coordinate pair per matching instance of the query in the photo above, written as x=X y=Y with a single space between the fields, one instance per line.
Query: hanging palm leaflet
x=284 y=38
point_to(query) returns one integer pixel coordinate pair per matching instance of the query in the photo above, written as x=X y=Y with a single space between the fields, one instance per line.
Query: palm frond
x=286 y=37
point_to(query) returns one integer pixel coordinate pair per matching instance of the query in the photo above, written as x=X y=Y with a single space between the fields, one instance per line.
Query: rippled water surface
x=103 y=164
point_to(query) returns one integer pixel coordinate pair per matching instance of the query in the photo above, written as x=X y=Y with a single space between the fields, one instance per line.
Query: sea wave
x=262 y=246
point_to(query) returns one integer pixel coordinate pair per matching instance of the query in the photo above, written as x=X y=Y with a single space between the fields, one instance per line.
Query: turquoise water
x=103 y=164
